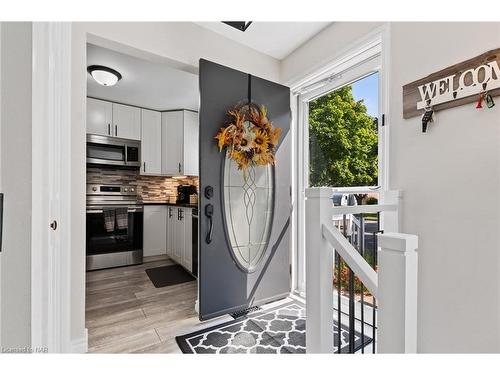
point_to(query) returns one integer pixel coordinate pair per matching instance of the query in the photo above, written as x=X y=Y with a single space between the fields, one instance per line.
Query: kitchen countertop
x=157 y=203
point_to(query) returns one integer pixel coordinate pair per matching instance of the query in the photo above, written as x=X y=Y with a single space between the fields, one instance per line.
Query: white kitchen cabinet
x=150 y=142
x=188 y=243
x=172 y=139
x=190 y=151
x=179 y=236
x=99 y=116
x=112 y=119
x=171 y=227
x=155 y=230
x=180 y=143
x=179 y=232
x=126 y=121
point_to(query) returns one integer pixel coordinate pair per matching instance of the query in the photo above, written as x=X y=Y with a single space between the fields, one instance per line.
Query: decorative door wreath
x=249 y=137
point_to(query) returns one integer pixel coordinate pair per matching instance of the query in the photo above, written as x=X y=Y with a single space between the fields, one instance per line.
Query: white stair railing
x=395 y=285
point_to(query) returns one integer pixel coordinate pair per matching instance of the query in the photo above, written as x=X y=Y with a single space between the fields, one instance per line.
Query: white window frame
x=362 y=59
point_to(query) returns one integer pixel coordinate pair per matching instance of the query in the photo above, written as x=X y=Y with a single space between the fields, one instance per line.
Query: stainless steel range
x=114 y=226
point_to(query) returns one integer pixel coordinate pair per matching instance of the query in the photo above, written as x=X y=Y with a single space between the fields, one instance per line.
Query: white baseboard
x=81 y=345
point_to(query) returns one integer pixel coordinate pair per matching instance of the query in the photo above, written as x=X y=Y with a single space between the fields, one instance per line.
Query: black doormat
x=278 y=330
x=168 y=275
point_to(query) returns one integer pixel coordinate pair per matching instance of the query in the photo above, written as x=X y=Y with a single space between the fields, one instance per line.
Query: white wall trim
x=51 y=130
x=323 y=68
x=1 y=188
x=80 y=345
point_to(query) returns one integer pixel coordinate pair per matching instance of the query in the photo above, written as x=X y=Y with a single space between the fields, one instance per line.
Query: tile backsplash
x=149 y=188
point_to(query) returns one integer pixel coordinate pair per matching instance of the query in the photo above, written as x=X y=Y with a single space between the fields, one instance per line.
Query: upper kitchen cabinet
x=151 y=142
x=112 y=119
x=99 y=116
x=180 y=143
x=126 y=121
x=190 y=151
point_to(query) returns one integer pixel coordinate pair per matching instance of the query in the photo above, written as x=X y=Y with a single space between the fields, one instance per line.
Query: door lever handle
x=209 y=212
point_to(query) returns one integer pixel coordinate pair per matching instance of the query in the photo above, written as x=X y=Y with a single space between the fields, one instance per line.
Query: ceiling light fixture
x=103 y=75
x=238 y=25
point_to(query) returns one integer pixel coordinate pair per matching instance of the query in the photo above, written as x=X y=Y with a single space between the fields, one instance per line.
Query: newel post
x=319 y=272
x=397 y=289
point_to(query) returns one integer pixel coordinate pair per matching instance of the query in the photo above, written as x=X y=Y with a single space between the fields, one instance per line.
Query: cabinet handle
x=170 y=212
x=179 y=167
x=109 y=129
x=116 y=130
x=144 y=167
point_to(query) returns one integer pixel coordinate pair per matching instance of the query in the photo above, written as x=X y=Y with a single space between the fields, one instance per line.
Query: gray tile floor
x=125 y=313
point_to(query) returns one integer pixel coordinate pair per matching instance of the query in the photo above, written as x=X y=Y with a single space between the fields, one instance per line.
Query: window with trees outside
x=342 y=141
x=343 y=153
x=343 y=136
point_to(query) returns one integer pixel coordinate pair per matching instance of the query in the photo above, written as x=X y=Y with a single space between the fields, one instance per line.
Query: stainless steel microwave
x=113 y=151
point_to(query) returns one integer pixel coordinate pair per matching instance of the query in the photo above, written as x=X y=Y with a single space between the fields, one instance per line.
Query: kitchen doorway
x=141 y=202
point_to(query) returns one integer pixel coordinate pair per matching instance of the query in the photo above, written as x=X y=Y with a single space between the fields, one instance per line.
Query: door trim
x=51 y=195
x=359 y=53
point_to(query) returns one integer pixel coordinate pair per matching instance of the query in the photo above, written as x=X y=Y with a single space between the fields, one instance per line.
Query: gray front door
x=244 y=238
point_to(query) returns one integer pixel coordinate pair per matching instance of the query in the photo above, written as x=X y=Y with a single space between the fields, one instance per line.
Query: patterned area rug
x=278 y=330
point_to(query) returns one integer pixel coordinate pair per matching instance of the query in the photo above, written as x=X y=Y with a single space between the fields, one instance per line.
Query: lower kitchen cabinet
x=155 y=230
x=188 y=240
x=179 y=231
x=179 y=236
x=171 y=227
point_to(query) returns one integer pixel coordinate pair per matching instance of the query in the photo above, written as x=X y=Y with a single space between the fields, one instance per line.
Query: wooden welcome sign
x=457 y=85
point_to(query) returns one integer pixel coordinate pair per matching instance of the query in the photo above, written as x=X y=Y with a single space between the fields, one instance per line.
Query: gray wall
x=16 y=179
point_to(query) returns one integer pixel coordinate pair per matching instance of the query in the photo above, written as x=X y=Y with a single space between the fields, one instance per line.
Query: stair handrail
x=394 y=287
x=353 y=258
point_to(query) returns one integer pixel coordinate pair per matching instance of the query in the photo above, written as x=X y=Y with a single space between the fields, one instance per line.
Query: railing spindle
x=362 y=251
x=374 y=308
x=339 y=302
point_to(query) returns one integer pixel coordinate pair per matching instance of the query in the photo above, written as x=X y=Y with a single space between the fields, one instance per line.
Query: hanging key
x=489 y=101
x=479 y=104
x=427 y=117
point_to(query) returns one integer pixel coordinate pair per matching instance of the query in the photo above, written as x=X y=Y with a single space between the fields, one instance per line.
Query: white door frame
x=1 y=186
x=51 y=249
x=356 y=61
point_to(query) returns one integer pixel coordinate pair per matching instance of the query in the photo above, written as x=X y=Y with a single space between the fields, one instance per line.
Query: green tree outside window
x=343 y=141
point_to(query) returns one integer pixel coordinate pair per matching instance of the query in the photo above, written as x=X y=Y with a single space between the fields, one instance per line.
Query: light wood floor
x=125 y=313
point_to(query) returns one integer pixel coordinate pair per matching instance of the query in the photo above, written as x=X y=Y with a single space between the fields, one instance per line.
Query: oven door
x=101 y=243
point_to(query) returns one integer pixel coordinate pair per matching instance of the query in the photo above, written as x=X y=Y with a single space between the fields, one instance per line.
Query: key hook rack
x=476 y=80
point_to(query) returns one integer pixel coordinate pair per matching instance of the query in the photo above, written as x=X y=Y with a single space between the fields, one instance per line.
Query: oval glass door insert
x=248 y=205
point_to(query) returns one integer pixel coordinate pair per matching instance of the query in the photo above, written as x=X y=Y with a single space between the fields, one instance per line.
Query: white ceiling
x=144 y=83
x=276 y=39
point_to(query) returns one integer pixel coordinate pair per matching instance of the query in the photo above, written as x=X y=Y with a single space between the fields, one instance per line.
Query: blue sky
x=367 y=89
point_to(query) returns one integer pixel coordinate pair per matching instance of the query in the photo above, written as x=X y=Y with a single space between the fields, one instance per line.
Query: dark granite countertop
x=160 y=203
